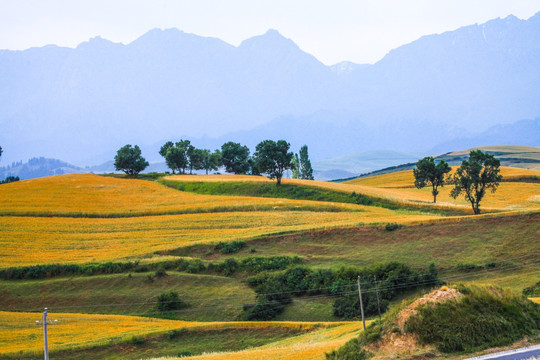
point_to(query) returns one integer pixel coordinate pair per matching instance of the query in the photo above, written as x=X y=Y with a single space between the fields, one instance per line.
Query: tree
x=306 y=171
x=165 y=147
x=273 y=158
x=235 y=157
x=427 y=172
x=475 y=176
x=129 y=160
x=0 y=152
x=175 y=158
x=195 y=158
x=295 y=167
x=210 y=161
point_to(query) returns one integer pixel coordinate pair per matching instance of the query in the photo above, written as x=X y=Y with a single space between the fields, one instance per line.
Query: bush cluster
x=196 y=266
x=169 y=301
x=231 y=247
x=275 y=291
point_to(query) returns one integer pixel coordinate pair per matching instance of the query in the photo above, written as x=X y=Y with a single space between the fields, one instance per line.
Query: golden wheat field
x=46 y=240
x=310 y=346
x=86 y=195
x=19 y=332
x=514 y=195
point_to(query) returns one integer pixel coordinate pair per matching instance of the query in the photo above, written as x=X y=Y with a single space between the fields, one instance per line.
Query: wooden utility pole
x=361 y=303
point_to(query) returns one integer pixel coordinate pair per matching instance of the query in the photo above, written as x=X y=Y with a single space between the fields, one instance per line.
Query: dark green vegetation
x=275 y=291
x=485 y=317
x=475 y=176
x=182 y=342
x=273 y=158
x=129 y=160
x=10 y=179
x=169 y=302
x=194 y=266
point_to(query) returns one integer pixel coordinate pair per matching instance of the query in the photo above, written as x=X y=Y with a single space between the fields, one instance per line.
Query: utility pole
x=378 y=302
x=45 y=322
x=361 y=303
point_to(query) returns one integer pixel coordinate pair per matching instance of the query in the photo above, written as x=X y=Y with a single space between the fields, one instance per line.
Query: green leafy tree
x=306 y=171
x=195 y=158
x=129 y=160
x=427 y=172
x=295 y=167
x=210 y=161
x=235 y=158
x=475 y=176
x=165 y=147
x=176 y=158
x=273 y=158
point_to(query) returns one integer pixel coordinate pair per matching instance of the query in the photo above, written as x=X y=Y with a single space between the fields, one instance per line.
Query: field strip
x=86 y=195
x=308 y=346
x=19 y=332
x=29 y=241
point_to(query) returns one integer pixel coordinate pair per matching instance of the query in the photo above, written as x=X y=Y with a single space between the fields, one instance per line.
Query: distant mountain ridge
x=79 y=103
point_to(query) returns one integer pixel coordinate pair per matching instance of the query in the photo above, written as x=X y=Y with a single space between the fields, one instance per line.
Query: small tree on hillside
x=0 y=152
x=427 y=172
x=475 y=176
x=129 y=160
x=235 y=158
x=306 y=171
x=273 y=158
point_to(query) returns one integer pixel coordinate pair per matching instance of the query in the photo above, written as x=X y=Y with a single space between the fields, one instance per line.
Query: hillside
x=111 y=245
x=526 y=157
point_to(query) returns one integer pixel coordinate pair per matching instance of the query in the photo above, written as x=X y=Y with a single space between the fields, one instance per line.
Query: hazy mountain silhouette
x=82 y=104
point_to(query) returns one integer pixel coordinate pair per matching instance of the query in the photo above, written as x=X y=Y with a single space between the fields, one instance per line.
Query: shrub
x=137 y=340
x=231 y=247
x=170 y=302
x=160 y=272
x=392 y=226
x=485 y=317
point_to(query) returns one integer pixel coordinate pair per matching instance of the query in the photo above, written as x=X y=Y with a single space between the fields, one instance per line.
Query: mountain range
x=81 y=104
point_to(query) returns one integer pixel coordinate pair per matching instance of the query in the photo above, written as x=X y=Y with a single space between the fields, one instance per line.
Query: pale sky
x=361 y=31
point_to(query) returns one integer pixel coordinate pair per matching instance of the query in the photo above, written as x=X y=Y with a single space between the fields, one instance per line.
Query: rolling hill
x=108 y=246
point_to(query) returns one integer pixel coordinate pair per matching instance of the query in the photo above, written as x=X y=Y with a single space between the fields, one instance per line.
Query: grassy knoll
x=258 y=186
x=211 y=298
x=88 y=336
x=477 y=241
